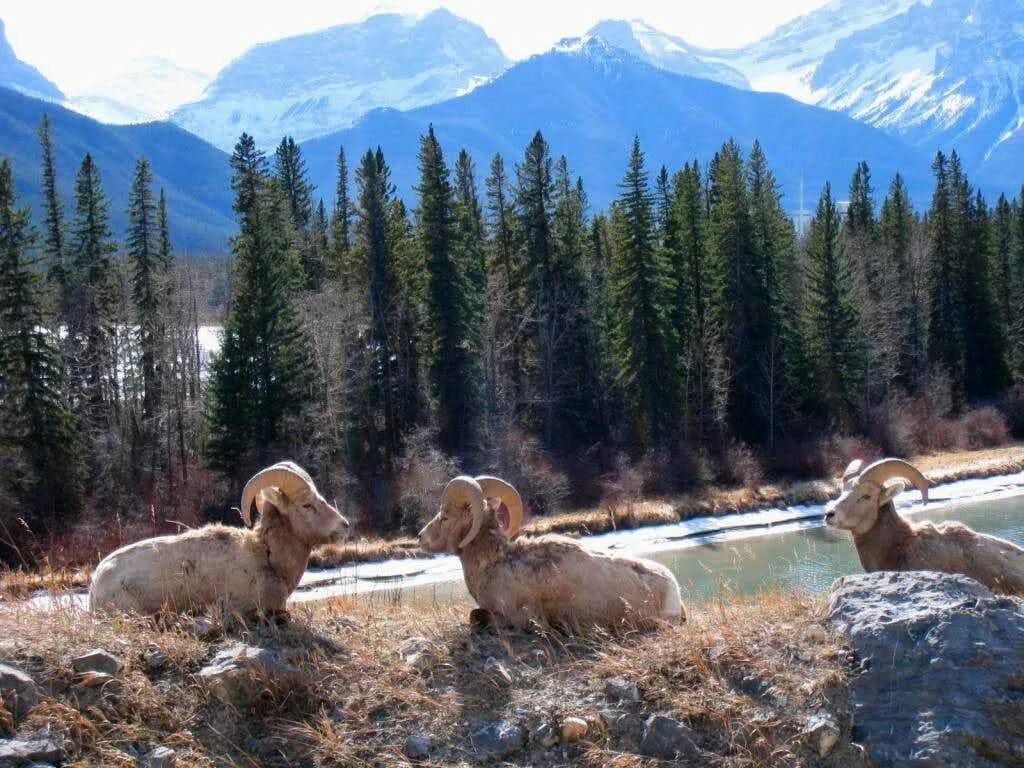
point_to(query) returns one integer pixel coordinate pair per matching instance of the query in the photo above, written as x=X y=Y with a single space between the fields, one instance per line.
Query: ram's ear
x=270 y=497
x=890 y=491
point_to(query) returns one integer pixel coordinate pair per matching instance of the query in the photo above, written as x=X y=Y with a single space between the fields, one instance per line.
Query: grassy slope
x=744 y=675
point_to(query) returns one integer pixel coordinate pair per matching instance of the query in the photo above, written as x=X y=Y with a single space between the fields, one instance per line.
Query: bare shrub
x=985 y=428
x=518 y=458
x=1012 y=407
x=741 y=466
x=422 y=474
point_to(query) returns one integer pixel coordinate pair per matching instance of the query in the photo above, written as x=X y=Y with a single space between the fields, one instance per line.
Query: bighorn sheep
x=885 y=541
x=242 y=570
x=550 y=580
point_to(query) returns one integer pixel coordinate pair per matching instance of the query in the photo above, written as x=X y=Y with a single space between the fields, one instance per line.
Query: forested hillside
x=688 y=333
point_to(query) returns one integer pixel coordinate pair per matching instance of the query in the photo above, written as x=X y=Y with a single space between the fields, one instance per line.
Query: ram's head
x=467 y=505
x=867 y=490
x=290 y=490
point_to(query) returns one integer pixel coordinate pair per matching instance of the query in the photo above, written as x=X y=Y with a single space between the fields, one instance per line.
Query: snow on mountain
x=146 y=89
x=24 y=78
x=665 y=51
x=313 y=84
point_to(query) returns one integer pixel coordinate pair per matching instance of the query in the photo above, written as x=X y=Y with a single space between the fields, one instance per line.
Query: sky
x=79 y=42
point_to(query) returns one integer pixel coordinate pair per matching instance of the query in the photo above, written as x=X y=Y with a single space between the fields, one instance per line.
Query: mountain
x=665 y=51
x=314 y=84
x=943 y=74
x=194 y=174
x=146 y=89
x=24 y=78
x=589 y=99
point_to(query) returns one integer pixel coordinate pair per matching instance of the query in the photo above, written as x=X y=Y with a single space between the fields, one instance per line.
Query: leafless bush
x=741 y=466
x=518 y=458
x=1012 y=407
x=422 y=474
x=985 y=428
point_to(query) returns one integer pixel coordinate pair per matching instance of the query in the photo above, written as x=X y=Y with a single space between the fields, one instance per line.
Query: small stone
x=96 y=680
x=161 y=757
x=154 y=658
x=497 y=671
x=621 y=689
x=97 y=660
x=573 y=729
x=668 y=739
x=417 y=746
x=204 y=628
x=236 y=675
x=418 y=652
x=546 y=735
x=19 y=691
x=22 y=751
x=498 y=739
x=822 y=734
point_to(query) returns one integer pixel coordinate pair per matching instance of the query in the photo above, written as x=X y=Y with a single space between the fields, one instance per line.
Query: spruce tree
x=35 y=414
x=642 y=292
x=832 y=324
x=341 y=219
x=453 y=362
x=1016 y=327
x=57 y=269
x=945 y=332
x=293 y=180
x=260 y=378
x=1002 y=256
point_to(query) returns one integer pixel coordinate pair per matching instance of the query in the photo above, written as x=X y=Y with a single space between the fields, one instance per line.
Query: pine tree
x=94 y=313
x=642 y=291
x=148 y=281
x=293 y=181
x=261 y=376
x=1002 y=255
x=945 y=337
x=57 y=269
x=453 y=362
x=1016 y=328
x=341 y=218
x=35 y=415
x=831 y=320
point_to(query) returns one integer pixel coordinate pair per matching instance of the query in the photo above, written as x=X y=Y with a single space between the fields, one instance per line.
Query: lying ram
x=242 y=570
x=887 y=542
x=548 y=580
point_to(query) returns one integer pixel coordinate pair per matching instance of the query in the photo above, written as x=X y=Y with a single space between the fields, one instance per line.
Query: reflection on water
x=801 y=556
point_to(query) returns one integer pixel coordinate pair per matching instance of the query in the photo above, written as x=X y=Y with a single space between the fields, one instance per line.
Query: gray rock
x=19 y=691
x=204 y=628
x=418 y=652
x=417 y=746
x=97 y=660
x=497 y=671
x=161 y=757
x=154 y=658
x=938 y=655
x=621 y=689
x=668 y=739
x=236 y=675
x=821 y=733
x=19 y=752
x=546 y=735
x=499 y=739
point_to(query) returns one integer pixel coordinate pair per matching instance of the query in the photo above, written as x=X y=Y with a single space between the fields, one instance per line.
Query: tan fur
x=885 y=541
x=238 y=569
x=553 y=580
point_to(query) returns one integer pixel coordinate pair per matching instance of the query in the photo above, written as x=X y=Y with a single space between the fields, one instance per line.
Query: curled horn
x=285 y=475
x=886 y=469
x=496 y=487
x=463 y=490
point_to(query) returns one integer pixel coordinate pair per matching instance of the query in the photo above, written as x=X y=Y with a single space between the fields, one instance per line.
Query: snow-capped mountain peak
x=22 y=77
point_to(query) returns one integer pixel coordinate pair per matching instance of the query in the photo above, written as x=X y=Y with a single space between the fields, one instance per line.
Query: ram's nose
x=830 y=517
x=343 y=531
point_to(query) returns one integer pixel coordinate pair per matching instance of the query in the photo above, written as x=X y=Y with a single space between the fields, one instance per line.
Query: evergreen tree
x=1016 y=327
x=453 y=362
x=35 y=415
x=293 y=181
x=831 y=321
x=341 y=218
x=642 y=291
x=148 y=281
x=94 y=313
x=318 y=248
x=57 y=269
x=261 y=376
x=945 y=337
x=1002 y=256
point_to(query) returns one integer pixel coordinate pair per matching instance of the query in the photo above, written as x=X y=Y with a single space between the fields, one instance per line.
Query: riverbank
x=941 y=468
x=347 y=683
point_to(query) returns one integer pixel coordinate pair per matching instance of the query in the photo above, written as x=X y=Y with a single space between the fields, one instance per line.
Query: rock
x=19 y=752
x=236 y=675
x=154 y=658
x=546 y=735
x=418 y=652
x=161 y=757
x=498 y=739
x=19 y=691
x=628 y=726
x=204 y=628
x=621 y=689
x=498 y=672
x=417 y=746
x=822 y=734
x=938 y=655
x=573 y=729
x=668 y=739
x=97 y=660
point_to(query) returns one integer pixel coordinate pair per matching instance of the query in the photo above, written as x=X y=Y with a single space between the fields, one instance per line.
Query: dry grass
x=744 y=674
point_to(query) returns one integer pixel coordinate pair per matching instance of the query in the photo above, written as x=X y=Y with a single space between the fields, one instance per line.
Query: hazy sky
x=77 y=42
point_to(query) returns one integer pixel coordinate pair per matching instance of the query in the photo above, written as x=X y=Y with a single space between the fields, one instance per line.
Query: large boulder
x=940 y=678
x=19 y=691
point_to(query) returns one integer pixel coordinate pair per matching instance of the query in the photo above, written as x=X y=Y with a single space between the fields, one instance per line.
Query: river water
x=741 y=553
